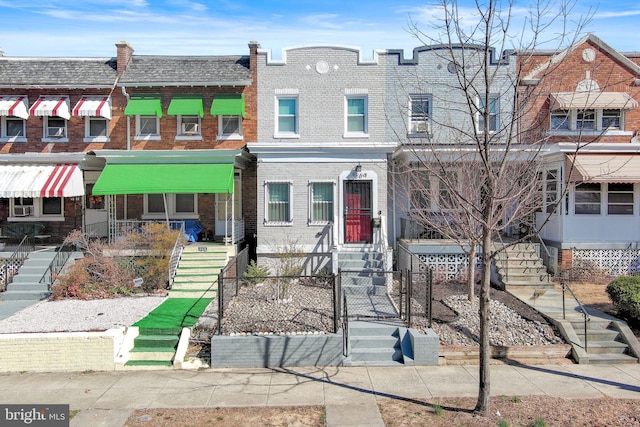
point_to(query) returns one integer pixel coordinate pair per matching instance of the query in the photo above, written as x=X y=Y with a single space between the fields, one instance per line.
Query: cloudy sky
x=191 y=27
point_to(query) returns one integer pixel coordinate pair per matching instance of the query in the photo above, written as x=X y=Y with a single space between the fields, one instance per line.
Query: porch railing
x=411 y=229
x=63 y=253
x=123 y=227
x=176 y=253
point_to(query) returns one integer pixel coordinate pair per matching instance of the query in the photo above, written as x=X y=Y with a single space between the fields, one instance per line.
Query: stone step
x=148 y=364
x=374 y=341
x=371 y=355
x=606 y=359
x=28 y=286
x=370 y=289
x=10 y=295
x=604 y=347
x=185 y=286
x=594 y=335
x=193 y=293
x=156 y=341
x=151 y=353
x=27 y=278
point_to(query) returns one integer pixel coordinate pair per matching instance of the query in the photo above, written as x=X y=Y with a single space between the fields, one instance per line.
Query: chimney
x=253 y=52
x=125 y=52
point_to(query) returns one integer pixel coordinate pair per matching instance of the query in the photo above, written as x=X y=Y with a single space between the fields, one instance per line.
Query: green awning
x=147 y=178
x=186 y=105
x=144 y=106
x=228 y=105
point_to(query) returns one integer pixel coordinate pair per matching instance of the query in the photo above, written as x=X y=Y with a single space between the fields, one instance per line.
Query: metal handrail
x=63 y=253
x=346 y=345
x=583 y=310
x=27 y=244
x=176 y=253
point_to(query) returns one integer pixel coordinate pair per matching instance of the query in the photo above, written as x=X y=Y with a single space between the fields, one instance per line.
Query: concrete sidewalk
x=350 y=394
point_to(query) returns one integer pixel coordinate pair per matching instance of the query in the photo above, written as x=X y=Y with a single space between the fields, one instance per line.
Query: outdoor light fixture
x=358 y=168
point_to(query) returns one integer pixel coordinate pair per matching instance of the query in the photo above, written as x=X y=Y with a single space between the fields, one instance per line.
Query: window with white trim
x=420 y=110
x=229 y=127
x=588 y=196
x=286 y=116
x=147 y=126
x=551 y=188
x=278 y=203
x=620 y=199
x=13 y=128
x=321 y=197
x=560 y=120
x=54 y=127
x=30 y=207
x=592 y=120
x=420 y=194
x=188 y=126
x=493 y=107
x=356 y=114
x=96 y=128
x=178 y=205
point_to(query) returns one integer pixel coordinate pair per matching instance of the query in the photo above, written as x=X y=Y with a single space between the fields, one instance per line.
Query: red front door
x=357 y=211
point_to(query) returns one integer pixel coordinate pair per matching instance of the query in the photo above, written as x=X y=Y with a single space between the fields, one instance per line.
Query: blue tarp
x=191 y=230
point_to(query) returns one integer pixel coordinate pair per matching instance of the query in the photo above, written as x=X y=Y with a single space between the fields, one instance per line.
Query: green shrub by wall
x=624 y=293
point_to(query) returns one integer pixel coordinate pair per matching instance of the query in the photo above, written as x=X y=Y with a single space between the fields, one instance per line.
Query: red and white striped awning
x=51 y=106
x=62 y=180
x=15 y=106
x=96 y=106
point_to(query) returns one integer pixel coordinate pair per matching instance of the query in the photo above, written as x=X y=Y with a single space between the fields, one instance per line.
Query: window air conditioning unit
x=22 y=210
x=55 y=132
x=421 y=127
x=189 y=128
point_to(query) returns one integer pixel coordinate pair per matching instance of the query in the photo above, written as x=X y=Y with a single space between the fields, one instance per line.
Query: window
x=36 y=207
x=447 y=184
x=551 y=191
x=278 y=202
x=587 y=199
x=51 y=206
x=224 y=202
x=586 y=120
x=23 y=206
x=229 y=127
x=494 y=109
x=96 y=129
x=321 y=202
x=560 y=120
x=287 y=120
x=420 y=191
x=91 y=201
x=13 y=128
x=188 y=126
x=420 y=114
x=620 y=199
x=55 y=127
x=356 y=114
x=178 y=205
x=611 y=119
x=148 y=126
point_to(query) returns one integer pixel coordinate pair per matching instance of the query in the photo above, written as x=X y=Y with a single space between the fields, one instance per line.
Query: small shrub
x=437 y=409
x=516 y=399
x=503 y=423
x=255 y=273
x=538 y=422
x=624 y=293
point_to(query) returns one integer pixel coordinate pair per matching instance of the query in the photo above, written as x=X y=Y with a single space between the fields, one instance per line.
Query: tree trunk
x=484 y=390
x=471 y=273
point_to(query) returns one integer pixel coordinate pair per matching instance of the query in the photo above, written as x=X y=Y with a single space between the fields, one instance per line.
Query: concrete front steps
x=154 y=348
x=26 y=284
x=197 y=273
x=609 y=340
x=363 y=272
x=377 y=344
x=520 y=265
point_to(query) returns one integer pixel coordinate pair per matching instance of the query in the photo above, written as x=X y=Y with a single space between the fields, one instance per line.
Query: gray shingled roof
x=175 y=70
x=57 y=72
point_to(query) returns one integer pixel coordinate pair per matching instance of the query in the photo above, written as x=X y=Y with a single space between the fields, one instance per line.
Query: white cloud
x=322 y=20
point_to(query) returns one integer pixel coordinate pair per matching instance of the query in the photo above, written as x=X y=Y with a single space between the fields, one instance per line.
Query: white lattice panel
x=617 y=262
x=445 y=266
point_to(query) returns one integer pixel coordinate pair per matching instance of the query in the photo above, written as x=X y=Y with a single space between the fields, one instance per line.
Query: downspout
x=126 y=95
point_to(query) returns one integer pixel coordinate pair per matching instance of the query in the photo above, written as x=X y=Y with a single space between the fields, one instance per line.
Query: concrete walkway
x=350 y=394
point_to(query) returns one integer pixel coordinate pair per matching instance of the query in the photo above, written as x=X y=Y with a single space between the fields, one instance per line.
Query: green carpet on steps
x=175 y=312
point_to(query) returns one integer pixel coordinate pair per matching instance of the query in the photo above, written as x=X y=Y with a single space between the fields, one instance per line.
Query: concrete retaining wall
x=60 y=351
x=268 y=351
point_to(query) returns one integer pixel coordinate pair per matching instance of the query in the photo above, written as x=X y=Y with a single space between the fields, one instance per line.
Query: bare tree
x=474 y=174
